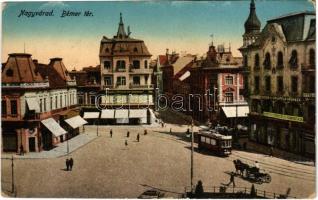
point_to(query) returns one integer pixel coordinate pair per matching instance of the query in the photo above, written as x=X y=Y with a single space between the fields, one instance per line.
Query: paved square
x=106 y=168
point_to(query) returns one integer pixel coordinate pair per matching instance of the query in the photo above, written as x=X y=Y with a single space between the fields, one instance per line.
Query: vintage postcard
x=158 y=99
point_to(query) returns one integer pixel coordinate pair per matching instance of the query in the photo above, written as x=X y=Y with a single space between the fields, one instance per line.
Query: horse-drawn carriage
x=251 y=172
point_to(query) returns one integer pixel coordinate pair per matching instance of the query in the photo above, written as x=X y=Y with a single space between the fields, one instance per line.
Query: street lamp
x=192 y=139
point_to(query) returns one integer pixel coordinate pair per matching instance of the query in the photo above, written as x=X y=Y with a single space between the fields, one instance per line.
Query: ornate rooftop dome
x=252 y=24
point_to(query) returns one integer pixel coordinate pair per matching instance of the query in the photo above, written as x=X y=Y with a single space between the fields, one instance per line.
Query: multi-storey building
x=125 y=73
x=280 y=66
x=219 y=82
x=35 y=100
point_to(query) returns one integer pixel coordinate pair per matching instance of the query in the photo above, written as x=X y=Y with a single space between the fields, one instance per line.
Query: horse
x=239 y=166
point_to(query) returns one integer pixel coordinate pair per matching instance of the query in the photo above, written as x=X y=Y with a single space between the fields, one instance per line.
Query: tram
x=215 y=142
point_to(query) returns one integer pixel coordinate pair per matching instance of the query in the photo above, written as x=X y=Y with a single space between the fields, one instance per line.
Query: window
x=280 y=60
x=121 y=80
x=229 y=80
x=280 y=84
x=14 y=107
x=312 y=84
x=208 y=140
x=136 y=80
x=9 y=72
x=256 y=84
x=256 y=61
x=136 y=64
x=293 y=61
x=146 y=64
x=294 y=83
x=4 y=107
x=245 y=61
x=135 y=49
x=80 y=99
x=121 y=65
x=146 y=79
x=267 y=61
x=312 y=58
x=213 y=141
x=268 y=83
x=108 y=80
x=61 y=102
x=107 y=65
x=92 y=98
x=41 y=105
x=229 y=97
x=202 y=139
x=107 y=50
x=44 y=101
x=51 y=103
x=56 y=102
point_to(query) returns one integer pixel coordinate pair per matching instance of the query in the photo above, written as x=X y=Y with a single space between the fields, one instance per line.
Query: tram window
x=223 y=143
x=207 y=140
x=213 y=142
x=202 y=139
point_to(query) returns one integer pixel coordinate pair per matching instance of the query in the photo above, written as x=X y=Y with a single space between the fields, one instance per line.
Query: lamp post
x=12 y=175
x=192 y=139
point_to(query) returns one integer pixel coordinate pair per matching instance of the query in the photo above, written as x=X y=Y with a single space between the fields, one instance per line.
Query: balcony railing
x=25 y=85
x=136 y=86
x=140 y=70
x=309 y=95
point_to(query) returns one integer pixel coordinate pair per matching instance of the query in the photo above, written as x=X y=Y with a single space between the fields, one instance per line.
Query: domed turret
x=252 y=24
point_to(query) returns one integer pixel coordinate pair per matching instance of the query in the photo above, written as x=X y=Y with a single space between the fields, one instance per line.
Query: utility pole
x=192 y=139
x=12 y=175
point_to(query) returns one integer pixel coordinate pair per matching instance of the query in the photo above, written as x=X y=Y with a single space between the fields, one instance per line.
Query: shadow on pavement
x=162 y=190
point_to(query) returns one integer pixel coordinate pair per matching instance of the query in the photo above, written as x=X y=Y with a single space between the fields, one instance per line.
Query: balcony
x=309 y=95
x=138 y=86
x=140 y=71
x=120 y=70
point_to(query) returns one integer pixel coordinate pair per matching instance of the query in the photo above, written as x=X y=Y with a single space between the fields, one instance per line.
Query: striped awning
x=91 y=115
x=76 y=121
x=53 y=127
x=107 y=114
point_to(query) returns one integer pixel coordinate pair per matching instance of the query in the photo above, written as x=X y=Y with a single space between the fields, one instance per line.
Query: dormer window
x=9 y=72
x=293 y=61
x=135 y=49
x=256 y=61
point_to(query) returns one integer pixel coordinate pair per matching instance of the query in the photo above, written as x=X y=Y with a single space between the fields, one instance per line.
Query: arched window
x=121 y=65
x=256 y=61
x=267 y=61
x=9 y=72
x=280 y=60
x=245 y=61
x=135 y=49
x=312 y=58
x=293 y=61
x=146 y=64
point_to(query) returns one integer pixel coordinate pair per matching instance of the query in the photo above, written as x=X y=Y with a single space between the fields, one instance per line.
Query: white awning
x=107 y=114
x=33 y=104
x=76 y=121
x=138 y=113
x=121 y=113
x=53 y=127
x=91 y=115
x=185 y=76
x=235 y=111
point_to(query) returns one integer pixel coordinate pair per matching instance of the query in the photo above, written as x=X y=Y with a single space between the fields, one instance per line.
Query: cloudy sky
x=180 y=26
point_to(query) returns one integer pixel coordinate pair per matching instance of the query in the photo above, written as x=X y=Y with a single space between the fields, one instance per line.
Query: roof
x=252 y=24
x=122 y=44
x=182 y=62
x=20 y=68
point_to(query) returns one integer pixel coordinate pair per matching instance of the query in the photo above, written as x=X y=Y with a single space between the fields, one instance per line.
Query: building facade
x=125 y=71
x=279 y=62
x=31 y=94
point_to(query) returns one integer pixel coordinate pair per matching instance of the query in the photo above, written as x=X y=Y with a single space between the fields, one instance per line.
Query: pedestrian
x=231 y=180
x=256 y=165
x=126 y=143
x=188 y=131
x=111 y=132
x=145 y=132
x=138 y=137
x=128 y=133
x=71 y=163
x=21 y=150
x=271 y=151
x=162 y=124
x=67 y=162
x=170 y=130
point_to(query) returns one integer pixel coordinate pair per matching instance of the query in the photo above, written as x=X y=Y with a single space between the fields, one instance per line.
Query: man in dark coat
x=67 y=162
x=111 y=132
x=138 y=137
x=128 y=133
x=145 y=132
x=71 y=163
x=231 y=180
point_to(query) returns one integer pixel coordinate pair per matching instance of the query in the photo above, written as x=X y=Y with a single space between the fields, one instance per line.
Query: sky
x=182 y=26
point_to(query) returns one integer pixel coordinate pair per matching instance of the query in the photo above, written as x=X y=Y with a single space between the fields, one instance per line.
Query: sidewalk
x=61 y=149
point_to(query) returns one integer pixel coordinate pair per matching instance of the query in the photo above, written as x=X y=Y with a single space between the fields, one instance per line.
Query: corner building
x=279 y=65
x=125 y=74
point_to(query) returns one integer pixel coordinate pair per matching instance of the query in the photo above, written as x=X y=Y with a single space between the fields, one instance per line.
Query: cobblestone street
x=105 y=168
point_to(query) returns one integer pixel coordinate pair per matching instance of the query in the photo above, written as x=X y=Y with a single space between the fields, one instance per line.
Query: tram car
x=215 y=142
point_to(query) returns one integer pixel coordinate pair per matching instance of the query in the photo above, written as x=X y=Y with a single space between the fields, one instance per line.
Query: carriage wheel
x=268 y=178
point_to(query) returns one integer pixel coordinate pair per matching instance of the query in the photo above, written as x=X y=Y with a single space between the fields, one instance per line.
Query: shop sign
x=283 y=117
